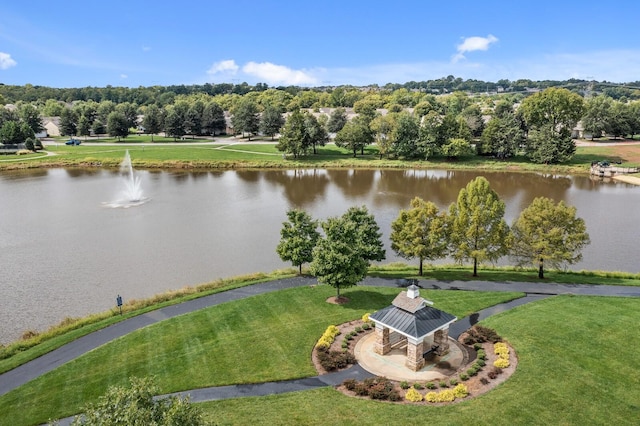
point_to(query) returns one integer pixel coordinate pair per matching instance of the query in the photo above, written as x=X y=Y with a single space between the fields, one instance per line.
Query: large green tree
x=355 y=135
x=405 y=136
x=271 y=121
x=420 y=232
x=382 y=127
x=337 y=120
x=316 y=132
x=213 y=120
x=478 y=229
x=152 y=121
x=246 y=117
x=29 y=114
x=294 y=138
x=137 y=405
x=68 y=122
x=597 y=115
x=548 y=233
x=553 y=114
x=299 y=237
x=501 y=137
x=342 y=256
x=117 y=125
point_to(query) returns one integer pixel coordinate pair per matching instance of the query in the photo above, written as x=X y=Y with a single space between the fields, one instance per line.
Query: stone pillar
x=415 y=360
x=441 y=339
x=383 y=346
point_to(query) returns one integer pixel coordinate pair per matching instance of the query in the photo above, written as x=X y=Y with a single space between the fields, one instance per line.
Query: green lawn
x=262 y=338
x=578 y=365
x=227 y=153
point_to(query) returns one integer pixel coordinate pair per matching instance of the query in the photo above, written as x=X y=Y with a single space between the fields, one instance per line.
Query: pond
x=68 y=252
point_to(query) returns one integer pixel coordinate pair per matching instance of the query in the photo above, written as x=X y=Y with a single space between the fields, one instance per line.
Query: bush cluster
x=495 y=372
x=480 y=334
x=328 y=337
x=448 y=395
x=334 y=360
x=375 y=388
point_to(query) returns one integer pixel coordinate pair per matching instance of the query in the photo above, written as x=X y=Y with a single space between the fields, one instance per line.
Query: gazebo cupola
x=412 y=318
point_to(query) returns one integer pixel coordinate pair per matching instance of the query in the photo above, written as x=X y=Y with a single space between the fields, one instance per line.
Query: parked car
x=72 y=142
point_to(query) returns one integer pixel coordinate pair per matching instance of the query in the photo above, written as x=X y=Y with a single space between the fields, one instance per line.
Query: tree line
x=473 y=229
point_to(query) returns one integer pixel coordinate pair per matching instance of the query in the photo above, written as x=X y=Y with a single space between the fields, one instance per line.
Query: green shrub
x=359 y=330
x=418 y=386
x=404 y=385
x=482 y=354
x=443 y=384
x=366 y=326
x=464 y=377
x=431 y=385
x=453 y=382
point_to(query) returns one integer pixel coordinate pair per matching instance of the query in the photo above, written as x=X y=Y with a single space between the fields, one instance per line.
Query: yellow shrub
x=446 y=395
x=501 y=363
x=365 y=317
x=431 y=397
x=460 y=391
x=413 y=395
x=500 y=345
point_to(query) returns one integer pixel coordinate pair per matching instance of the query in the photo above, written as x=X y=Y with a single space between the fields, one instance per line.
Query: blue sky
x=138 y=43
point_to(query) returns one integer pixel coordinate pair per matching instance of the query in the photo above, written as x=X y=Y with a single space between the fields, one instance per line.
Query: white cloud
x=6 y=61
x=471 y=44
x=123 y=76
x=228 y=66
x=278 y=74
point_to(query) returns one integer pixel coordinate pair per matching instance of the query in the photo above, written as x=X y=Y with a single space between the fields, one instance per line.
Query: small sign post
x=119 y=302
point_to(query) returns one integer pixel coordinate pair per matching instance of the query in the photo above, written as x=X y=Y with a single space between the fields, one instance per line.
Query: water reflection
x=212 y=224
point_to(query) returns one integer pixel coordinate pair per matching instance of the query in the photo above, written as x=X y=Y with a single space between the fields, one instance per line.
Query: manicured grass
x=262 y=338
x=227 y=153
x=23 y=351
x=577 y=365
x=506 y=274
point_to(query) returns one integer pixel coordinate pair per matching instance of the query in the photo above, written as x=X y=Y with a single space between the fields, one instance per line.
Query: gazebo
x=412 y=320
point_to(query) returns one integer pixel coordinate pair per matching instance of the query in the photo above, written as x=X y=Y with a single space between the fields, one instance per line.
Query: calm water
x=64 y=253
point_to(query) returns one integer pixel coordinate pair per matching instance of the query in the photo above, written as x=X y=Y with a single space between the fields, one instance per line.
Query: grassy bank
x=263 y=338
x=575 y=366
x=226 y=154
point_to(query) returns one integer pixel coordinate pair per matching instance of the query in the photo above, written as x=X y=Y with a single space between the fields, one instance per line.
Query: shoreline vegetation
x=34 y=344
x=230 y=153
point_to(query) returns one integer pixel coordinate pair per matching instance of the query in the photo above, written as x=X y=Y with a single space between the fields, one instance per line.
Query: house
x=51 y=126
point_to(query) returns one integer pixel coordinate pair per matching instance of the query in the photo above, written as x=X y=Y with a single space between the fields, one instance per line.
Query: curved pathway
x=534 y=291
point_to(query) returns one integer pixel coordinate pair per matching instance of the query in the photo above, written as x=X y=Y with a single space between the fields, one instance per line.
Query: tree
x=173 y=123
x=84 y=127
x=68 y=122
x=546 y=232
x=405 y=136
x=213 y=120
x=382 y=127
x=152 y=121
x=245 y=117
x=337 y=120
x=294 y=138
x=472 y=115
x=193 y=119
x=478 y=229
x=553 y=113
x=342 y=257
x=619 y=120
x=117 y=125
x=299 y=237
x=501 y=137
x=14 y=133
x=420 y=232
x=29 y=114
x=129 y=112
x=457 y=147
x=271 y=121
x=369 y=237
x=545 y=146
x=136 y=405
x=316 y=132
x=597 y=115
x=355 y=135
x=337 y=260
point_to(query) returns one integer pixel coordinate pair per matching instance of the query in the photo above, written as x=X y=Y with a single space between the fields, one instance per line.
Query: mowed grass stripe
x=227 y=344
x=577 y=365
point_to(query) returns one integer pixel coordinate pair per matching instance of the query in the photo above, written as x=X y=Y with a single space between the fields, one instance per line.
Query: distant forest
x=165 y=95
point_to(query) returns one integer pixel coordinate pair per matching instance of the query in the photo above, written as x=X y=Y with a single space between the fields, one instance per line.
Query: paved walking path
x=534 y=291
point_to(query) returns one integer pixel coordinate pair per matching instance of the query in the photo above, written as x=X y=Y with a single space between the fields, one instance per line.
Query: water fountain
x=132 y=194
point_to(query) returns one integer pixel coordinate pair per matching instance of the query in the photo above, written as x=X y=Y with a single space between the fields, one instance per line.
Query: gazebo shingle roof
x=417 y=324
